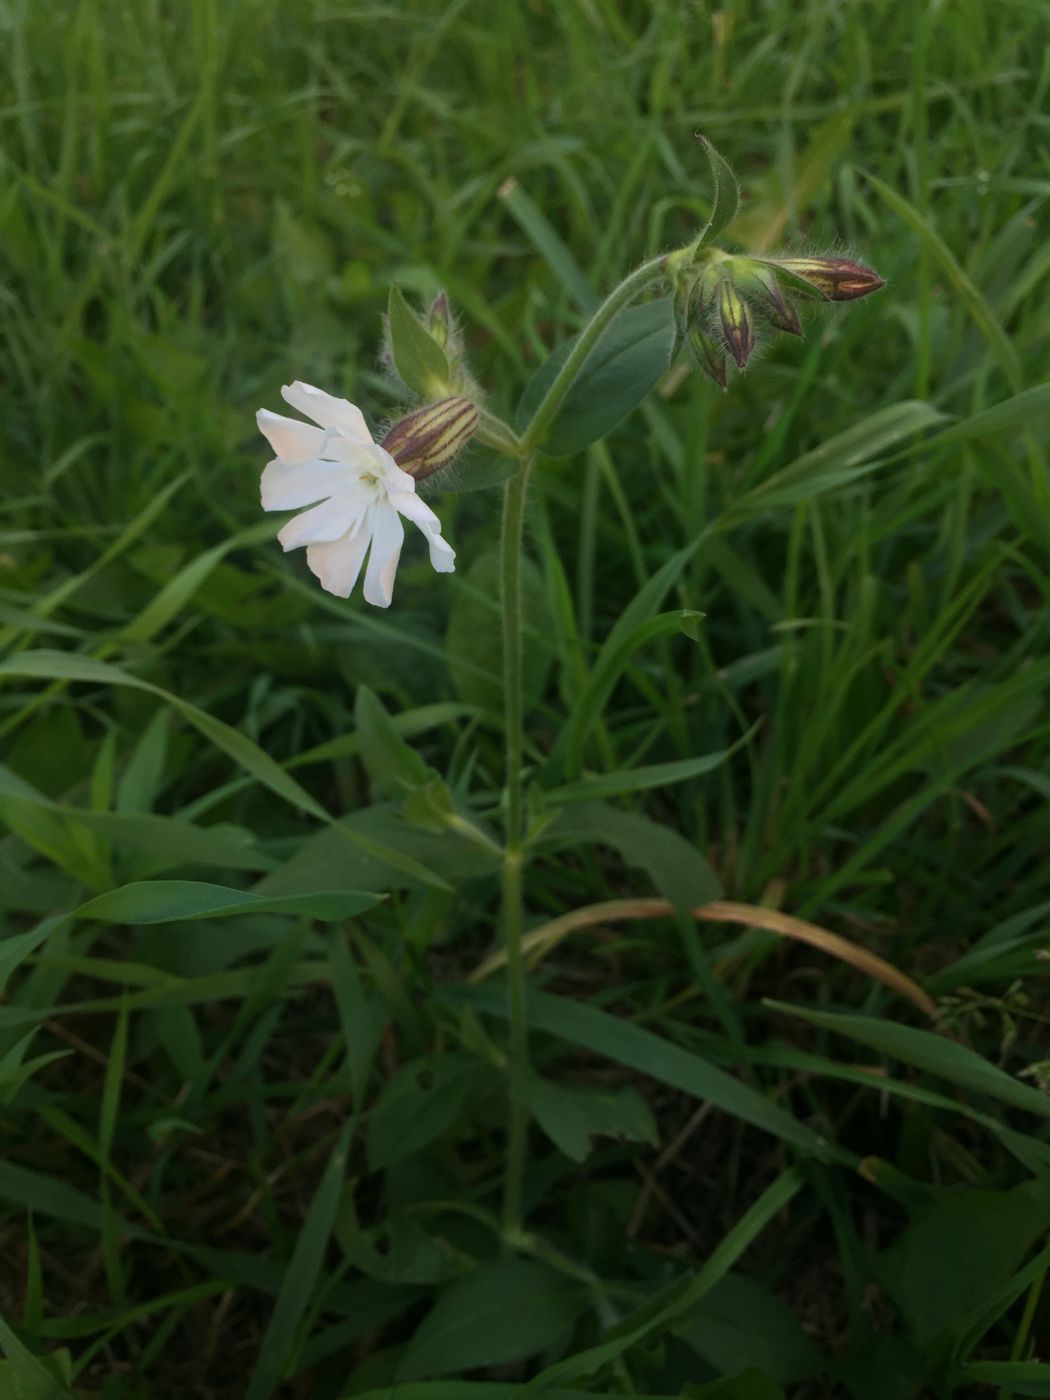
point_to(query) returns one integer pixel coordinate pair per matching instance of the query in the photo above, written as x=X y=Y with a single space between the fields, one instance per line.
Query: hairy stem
x=552 y=400
x=513 y=856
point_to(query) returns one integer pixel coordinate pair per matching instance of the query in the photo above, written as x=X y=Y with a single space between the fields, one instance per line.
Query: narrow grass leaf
x=1012 y=1377
x=1024 y=410
x=609 y=665
x=543 y=236
x=968 y=293
x=935 y=1054
x=303 y=1275
x=165 y=901
x=618 y=1040
x=680 y=1297
x=840 y=459
x=57 y=665
x=653 y=775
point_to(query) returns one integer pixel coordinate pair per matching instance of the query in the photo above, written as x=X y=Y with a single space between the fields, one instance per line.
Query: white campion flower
x=359 y=490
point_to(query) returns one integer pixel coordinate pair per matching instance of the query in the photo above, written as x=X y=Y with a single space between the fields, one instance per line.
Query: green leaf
x=165 y=901
x=726 y=198
x=393 y=765
x=161 y=842
x=418 y=358
x=958 y=1249
x=327 y=858
x=24 y=1377
x=622 y=1042
x=545 y=238
x=15 y=949
x=479 y=472
x=68 y=666
x=748 y=1385
x=629 y=358
x=651 y=775
x=362 y=1015
x=34 y=1191
x=398 y=1250
x=982 y=313
x=840 y=459
x=608 y=666
x=572 y=1116
x=491 y=1390
x=680 y=1297
x=304 y=1273
x=1024 y=410
x=741 y=1323
x=417 y=1105
x=935 y=1054
x=176 y=593
x=677 y=869
x=502 y=1312
x=1012 y=1377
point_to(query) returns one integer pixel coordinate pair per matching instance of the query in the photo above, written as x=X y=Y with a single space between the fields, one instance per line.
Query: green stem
x=493 y=432
x=513 y=856
x=525 y=448
x=552 y=400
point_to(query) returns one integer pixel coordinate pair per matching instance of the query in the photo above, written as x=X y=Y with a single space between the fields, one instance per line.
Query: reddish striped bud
x=737 y=326
x=432 y=437
x=833 y=279
x=759 y=282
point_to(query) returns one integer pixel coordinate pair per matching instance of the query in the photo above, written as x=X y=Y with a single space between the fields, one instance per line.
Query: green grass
x=244 y=1156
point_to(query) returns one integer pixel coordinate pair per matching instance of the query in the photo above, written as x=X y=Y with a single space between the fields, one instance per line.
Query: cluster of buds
x=724 y=300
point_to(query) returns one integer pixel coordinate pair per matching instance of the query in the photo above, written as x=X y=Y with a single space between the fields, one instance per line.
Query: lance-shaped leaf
x=726 y=199
x=418 y=358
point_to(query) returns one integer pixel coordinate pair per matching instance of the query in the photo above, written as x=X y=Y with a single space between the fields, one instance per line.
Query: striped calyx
x=833 y=279
x=432 y=437
x=737 y=326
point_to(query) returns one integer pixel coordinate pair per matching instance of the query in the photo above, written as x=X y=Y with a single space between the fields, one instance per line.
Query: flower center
x=371 y=482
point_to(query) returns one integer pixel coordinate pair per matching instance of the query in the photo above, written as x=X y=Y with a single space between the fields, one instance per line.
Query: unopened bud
x=707 y=356
x=834 y=279
x=737 y=326
x=432 y=437
x=755 y=279
x=694 y=295
x=438 y=321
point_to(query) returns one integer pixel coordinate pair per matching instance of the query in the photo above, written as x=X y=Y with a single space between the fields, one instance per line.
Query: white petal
x=327 y=410
x=442 y=555
x=324 y=523
x=286 y=487
x=291 y=440
x=387 y=537
x=394 y=479
x=360 y=456
x=338 y=564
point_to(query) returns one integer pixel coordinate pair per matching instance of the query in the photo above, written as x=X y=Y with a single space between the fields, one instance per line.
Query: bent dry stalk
x=358 y=491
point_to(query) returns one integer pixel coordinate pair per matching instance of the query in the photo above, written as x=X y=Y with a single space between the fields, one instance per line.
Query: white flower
x=361 y=491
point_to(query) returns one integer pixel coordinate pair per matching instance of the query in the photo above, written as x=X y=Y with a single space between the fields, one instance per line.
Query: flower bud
x=756 y=280
x=833 y=279
x=707 y=356
x=441 y=325
x=737 y=326
x=432 y=437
